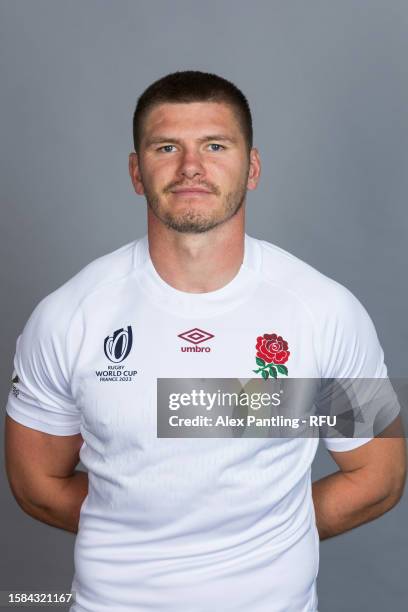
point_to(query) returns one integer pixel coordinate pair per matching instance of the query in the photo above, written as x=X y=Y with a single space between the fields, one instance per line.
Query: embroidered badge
x=271 y=353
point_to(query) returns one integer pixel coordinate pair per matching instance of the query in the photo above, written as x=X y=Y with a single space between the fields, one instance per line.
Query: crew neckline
x=186 y=304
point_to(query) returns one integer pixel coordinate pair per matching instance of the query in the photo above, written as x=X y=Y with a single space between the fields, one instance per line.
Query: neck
x=197 y=263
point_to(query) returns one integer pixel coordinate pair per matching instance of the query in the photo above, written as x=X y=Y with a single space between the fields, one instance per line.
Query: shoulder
x=319 y=293
x=57 y=309
x=345 y=339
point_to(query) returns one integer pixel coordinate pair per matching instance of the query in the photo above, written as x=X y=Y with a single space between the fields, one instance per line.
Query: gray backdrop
x=327 y=83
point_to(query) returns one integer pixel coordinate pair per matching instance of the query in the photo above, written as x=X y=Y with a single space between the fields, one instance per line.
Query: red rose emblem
x=271 y=353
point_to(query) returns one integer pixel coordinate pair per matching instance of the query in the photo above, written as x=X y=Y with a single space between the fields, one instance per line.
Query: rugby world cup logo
x=117 y=346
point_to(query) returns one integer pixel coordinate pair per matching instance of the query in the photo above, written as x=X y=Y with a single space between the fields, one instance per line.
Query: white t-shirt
x=194 y=524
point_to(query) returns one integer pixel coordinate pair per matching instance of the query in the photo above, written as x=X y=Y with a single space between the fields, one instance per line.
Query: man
x=193 y=524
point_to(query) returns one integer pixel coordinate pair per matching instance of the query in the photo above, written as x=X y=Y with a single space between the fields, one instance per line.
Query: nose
x=191 y=164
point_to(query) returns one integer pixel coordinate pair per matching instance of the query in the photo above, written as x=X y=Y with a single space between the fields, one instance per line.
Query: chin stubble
x=193 y=223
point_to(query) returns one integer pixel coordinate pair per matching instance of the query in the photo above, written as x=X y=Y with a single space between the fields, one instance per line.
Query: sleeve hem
x=341 y=445
x=55 y=430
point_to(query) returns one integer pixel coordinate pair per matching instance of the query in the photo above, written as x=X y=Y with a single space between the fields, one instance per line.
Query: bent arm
x=41 y=472
x=370 y=482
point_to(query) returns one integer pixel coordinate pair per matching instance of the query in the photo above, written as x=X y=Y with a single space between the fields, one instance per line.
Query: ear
x=134 y=172
x=254 y=169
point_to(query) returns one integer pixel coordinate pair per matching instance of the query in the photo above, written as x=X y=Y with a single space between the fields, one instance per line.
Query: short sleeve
x=350 y=350
x=40 y=396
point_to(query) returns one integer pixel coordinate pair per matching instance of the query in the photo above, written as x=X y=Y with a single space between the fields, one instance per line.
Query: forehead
x=191 y=119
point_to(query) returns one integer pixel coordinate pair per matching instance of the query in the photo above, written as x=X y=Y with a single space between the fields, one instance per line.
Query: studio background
x=327 y=84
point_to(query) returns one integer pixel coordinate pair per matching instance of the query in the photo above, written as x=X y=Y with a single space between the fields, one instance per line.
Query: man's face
x=193 y=165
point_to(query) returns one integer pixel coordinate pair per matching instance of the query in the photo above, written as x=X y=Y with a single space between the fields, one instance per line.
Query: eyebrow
x=211 y=137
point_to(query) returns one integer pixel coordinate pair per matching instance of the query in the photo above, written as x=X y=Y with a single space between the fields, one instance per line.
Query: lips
x=192 y=190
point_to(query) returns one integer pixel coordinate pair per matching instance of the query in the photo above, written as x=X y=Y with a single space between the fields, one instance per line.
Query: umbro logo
x=195 y=336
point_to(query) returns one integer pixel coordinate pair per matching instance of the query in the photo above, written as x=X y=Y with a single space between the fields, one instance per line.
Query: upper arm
x=33 y=456
x=356 y=386
x=380 y=464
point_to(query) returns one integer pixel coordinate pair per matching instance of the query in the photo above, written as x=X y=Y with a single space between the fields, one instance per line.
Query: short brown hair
x=192 y=86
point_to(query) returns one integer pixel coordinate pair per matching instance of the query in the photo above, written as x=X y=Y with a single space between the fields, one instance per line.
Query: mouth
x=191 y=191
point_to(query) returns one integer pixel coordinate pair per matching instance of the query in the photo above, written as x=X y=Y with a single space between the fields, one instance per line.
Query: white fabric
x=191 y=525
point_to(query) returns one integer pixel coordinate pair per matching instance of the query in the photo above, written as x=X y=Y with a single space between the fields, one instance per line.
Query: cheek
x=224 y=174
x=231 y=172
x=158 y=177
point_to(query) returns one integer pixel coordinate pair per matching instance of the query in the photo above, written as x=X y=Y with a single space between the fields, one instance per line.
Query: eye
x=165 y=148
x=214 y=144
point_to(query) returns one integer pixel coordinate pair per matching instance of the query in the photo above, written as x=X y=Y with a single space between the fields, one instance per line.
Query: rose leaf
x=273 y=371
